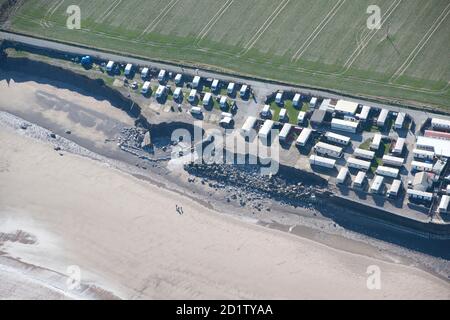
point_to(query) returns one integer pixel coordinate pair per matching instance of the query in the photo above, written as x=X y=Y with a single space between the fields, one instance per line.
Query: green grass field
x=320 y=43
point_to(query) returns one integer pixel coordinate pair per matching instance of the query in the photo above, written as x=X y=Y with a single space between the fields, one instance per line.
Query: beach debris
x=24 y=126
x=57 y=148
x=68 y=132
x=52 y=135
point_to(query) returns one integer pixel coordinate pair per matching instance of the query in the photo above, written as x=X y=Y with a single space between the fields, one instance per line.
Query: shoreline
x=319 y=235
x=298 y=242
x=118 y=100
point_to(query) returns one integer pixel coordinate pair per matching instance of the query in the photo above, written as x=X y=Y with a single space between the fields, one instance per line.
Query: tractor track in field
x=264 y=26
x=108 y=11
x=297 y=55
x=44 y=22
x=205 y=30
x=366 y=40
x=412 y=56
x=159 y=18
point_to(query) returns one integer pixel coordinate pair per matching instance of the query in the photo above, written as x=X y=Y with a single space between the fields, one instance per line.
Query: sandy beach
x=129 y=241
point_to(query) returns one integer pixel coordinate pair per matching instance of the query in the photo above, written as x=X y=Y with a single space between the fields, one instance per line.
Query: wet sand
x=127 y=239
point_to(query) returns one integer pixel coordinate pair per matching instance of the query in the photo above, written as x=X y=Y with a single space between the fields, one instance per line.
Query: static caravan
x=393 y=161
x=440 y=124
x=303 y=138
x=230 y=88
x=381 y=121
x=443 y=205
x=145 y=73
x=301 y=117
x=282 y=116
x=145 y=87
x=248 y=126
x=226 y=121
x=177 y=94
x=360 y=180
x=395 y=188
x=358 y=164
x=192 y=95
x=313 y=103
x=337 y=138
x=364 y=154
x=342 y=176
x=421 y=166
x=266 y=112
x=226 y=115
x=264 y=132
x=328 y=149
x=279 y=97
x=344 y=125
x=243 y=91
x=387 y=171
x=161 y=91
x=377 y=185
x=322 y=161
x=110 y=66
x=196 y=110
x=346 y=107
x=128 y=69
x=178 y=78
x=223 y=102
x=419 y=195
x=284 y=133
x=399 y=146
x=376 y=141
x=196 y=82
x=437 y=134
x=296 y=100
x=400 y=120
x=215 y=85
x=162 y=75
x=207 y=99
x=423 y=154
x=363 y=115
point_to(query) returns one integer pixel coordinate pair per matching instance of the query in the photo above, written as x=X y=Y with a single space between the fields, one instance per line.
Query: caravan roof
x=342 y=175
x=399 y=146
x=161 y=75
x=265 y=129
x=215 y=84
x=178 y=78
x=304 y=136
x=364 y=114
x=346 y=107
x=249 y=124
x=285 y=131
x=382 y=117
x=128 y=68
x=360 y=178
x=196 y=81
